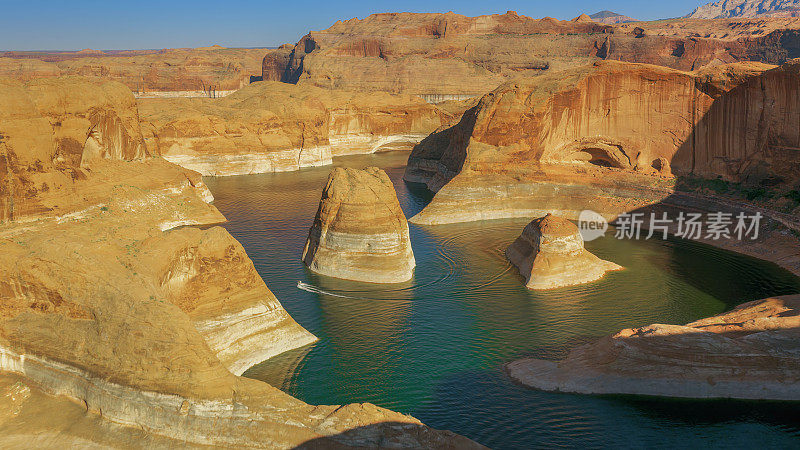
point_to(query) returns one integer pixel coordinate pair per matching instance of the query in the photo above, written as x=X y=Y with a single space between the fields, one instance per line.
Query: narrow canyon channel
x=434 y=347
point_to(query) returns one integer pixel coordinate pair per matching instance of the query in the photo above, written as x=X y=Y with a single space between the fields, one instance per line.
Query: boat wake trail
x=313 y=289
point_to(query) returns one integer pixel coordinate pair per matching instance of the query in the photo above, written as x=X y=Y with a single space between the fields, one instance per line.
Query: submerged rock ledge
x=751 y=352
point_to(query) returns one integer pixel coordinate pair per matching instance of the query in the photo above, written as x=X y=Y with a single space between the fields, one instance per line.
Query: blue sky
x=138 y=24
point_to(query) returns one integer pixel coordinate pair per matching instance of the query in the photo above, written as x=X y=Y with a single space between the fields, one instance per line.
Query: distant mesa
x=89 y=51
x=360 y=232
x=166 y=70
x=550 y=254
x=213 y=47
x=610 y=17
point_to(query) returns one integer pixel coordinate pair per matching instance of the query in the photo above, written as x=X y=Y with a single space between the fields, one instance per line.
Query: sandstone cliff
x=109 y=299
x=360 y=232
x=750 y=352
x=454 y=56
x=52 y=131
x=610 y=125
x=272 y=127
x=549 y=254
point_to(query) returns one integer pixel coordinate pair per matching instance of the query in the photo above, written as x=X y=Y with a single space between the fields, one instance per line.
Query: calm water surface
x=434 y=347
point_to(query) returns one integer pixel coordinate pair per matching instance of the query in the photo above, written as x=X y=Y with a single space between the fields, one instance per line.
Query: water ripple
x=434 y=346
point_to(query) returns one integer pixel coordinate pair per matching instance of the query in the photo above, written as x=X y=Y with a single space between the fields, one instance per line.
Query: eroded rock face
x=53 y=130
x=360 y=232
x=600 y=125
x=470 y=56
x=274 y=127
x=109 y=297
x=550 y=254
x=750 y=352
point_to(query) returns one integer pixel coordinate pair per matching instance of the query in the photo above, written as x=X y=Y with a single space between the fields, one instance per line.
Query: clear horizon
x=68 y=26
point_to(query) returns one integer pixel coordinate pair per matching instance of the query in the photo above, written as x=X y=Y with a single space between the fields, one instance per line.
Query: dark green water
x=434 y=347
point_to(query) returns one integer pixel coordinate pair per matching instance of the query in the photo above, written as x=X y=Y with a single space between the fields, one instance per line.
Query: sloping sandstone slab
x=751 y=352
x=277 y=127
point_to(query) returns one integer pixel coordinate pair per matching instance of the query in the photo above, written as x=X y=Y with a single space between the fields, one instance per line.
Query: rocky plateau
x=205 y=71
x=451 y=56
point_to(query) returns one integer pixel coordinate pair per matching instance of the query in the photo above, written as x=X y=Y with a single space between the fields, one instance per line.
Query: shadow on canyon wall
x=380 y=436
x=745 y=147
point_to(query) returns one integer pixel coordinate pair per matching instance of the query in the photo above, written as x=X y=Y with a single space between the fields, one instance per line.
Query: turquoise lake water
x=434 y=347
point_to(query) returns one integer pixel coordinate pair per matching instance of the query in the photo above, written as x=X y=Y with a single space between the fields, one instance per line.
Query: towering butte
x=360 y=232
x=442 y=56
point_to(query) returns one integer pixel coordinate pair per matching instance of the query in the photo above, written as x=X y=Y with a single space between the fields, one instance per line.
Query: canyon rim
x=165 y=282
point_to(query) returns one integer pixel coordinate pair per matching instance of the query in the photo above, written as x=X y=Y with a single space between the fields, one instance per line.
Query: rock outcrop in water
x=360 y=232
x=751 y=352
x=550 y=254
x=275 y=127
x=110 y=298
x=609 y=137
